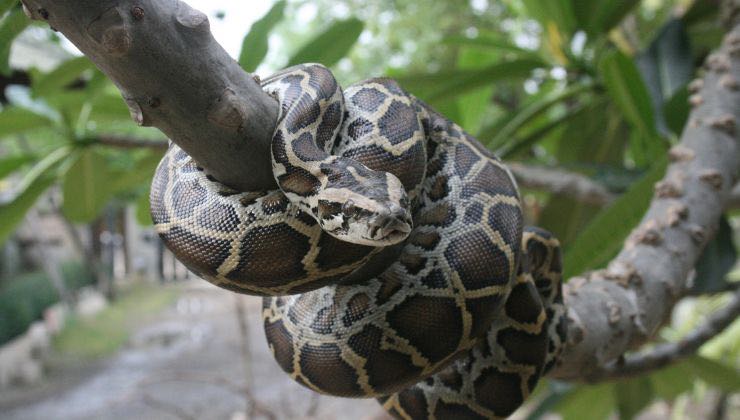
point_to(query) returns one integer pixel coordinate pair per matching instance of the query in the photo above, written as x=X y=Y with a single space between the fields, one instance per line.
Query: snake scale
x=465 y=317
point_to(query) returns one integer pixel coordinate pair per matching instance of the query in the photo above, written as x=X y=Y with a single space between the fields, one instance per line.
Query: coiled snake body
x=470 y=306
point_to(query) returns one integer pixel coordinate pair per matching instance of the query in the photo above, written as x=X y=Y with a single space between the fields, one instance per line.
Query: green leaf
x=142 y=173
x=672 y=381
x=14 y=120
x=666 y=66
x=143 y=214
x=331 y=45
x=62 y=76
x=526 y=115
x=632 y=396
x=591 y=402
x=676 y=111
x=13 y=213
x=254 y=46
x=627 y=89
x=6 y=5
x=724 y=377
x=86 y=187
x=597 y=17
x=717 y=259
x=488 y=41
x=437 y=88
x=522 y=144
x=109 y=107
x=11 y=164
x=559 y=12
x=10 y=27
x=603 y=237
x=30 y=187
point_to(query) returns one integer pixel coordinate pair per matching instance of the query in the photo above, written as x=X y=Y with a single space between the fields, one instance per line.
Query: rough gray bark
x=617 y=309
x=176 y=77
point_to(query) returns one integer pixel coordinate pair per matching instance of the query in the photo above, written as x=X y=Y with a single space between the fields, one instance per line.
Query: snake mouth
x=391 y=230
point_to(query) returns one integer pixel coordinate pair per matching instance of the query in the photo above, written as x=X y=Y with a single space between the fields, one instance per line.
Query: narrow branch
x=173 y=75
x=557 y=181
x=617 y=309
x=121 y=142
x=665 y=354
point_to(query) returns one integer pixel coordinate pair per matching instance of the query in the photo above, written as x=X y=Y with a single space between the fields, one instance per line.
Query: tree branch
x=173 y=75
x=557 y=181
x=665 y=354
x=122 y=142
x=619 y=308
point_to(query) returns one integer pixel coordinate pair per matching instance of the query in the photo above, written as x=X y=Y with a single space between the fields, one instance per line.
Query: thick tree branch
x=619 y=308
x=173 y=75
x=665 y=354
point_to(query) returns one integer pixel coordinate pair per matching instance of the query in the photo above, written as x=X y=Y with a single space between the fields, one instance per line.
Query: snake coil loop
x=464 y=320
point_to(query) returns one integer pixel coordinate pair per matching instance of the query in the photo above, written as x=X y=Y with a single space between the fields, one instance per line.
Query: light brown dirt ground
x=188 y=363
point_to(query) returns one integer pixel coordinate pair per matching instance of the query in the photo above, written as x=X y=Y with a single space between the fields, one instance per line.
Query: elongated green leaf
x=254 y=46
x=627 y=89
x=11 y=164
x=331 y=45
x=10 y=27
x=521 y=145
x=5 y=5
x=87 y=187
x=526 y=115
x=722 y=376
x=666 y=66
x=672 y=381
x=13 y=213
x=597 y=17
x=603 y=237
x=66 y=73
x=717 y=259
x=593 y=402
x=559 y=12
x=15 y=120
x=676 y=111
x=141 y=174
x=31 y=186
x=444 y=86
x=485 y=41
x=632 y=396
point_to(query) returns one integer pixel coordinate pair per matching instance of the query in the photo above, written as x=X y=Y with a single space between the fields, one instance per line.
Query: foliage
x=24 y=298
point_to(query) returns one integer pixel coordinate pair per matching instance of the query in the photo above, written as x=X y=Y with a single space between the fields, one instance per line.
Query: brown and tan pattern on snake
x=357 y=170
x=523 y=342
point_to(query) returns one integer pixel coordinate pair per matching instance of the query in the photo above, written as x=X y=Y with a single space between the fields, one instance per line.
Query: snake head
x=375 y=212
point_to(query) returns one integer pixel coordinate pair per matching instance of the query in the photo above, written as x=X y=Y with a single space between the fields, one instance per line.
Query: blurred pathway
x=190 y=364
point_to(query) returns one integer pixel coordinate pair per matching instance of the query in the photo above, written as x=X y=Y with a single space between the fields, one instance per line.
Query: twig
x=121 y=142
x=557 y=181
x=668 y=353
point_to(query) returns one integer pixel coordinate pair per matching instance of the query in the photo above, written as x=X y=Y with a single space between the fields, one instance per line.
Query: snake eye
x=348 y=208
x=404 y=202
